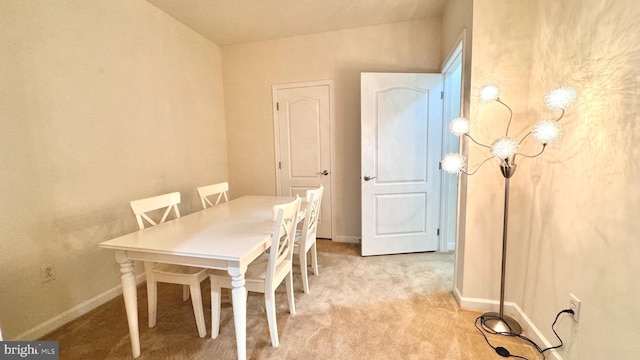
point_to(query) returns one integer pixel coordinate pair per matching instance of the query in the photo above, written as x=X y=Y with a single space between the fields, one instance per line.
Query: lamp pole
x=499 y=322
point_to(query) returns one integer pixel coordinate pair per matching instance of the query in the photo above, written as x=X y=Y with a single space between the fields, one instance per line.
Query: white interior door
x=302 y=114
x=401 y=120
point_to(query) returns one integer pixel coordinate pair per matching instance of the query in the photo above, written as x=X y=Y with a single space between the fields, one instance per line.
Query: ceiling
x=229 y=22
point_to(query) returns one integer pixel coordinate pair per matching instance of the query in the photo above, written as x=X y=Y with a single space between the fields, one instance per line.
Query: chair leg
x=215 y=307
x=288 y=283
x=185 y=292
x=270 y=304
x=303 y=270
x=196 y=300
x=314 y=258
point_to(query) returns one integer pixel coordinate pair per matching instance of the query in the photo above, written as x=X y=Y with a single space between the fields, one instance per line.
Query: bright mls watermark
x=40 y=350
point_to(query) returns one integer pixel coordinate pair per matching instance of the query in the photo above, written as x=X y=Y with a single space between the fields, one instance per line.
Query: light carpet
x=381 y=307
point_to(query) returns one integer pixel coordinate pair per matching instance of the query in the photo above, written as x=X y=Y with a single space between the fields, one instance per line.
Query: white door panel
x=303 y=140
x=390 y=222
x=300 y=134
x=400 y=134
x=401 y=122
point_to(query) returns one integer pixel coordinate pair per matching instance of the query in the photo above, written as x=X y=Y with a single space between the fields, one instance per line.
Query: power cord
x=503 y=351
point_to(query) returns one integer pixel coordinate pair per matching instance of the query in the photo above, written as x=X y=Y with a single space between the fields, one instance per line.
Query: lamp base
x=504 y=324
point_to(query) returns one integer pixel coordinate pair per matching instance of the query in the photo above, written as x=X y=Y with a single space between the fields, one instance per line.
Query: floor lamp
x=505 y=150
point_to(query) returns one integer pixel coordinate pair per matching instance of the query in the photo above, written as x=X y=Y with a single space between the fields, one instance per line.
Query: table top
x=228 y=231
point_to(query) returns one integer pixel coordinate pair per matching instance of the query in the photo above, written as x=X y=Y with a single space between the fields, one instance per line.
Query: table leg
x=239 y=299
x=129 y=293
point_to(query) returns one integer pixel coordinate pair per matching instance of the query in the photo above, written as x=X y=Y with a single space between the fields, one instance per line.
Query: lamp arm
x=523 y=138
x=477 y=167
x=544 y=146
x=474 y=140
x=561 y=115
x=510 y=116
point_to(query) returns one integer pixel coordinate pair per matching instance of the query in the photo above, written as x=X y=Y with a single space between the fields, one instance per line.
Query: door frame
x=458 y=259
x=447 y=229
x=276 y=138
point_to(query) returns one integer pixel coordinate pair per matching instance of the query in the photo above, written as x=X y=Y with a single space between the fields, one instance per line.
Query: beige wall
x=105 y=102
x=502 y=56
x=572 y=227
x=587 y=193
x=251 y=69
x=102 y=102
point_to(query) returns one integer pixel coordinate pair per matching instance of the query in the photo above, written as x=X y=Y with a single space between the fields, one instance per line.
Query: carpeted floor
x=382 y=307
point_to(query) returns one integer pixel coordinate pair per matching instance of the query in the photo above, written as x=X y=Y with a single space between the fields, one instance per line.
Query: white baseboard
x=84 y=307
x=347 y=239
x=528 y=327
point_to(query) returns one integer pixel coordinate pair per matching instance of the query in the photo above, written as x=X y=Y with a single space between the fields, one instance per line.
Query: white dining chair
x=265 y=274
x=305 y=239
x=220 y=189
x=189 y=277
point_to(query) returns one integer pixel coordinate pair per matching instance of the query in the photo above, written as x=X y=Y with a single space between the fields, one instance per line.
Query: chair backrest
x=168 y=202
x=281 y=250
x=221 y=189
x=312 y=214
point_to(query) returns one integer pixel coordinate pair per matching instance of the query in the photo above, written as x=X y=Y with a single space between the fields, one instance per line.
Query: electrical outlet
x=574 y=304
x=47 y=273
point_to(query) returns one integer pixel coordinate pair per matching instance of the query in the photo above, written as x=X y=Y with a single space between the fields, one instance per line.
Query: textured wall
x=572 y=215
x=102 y=102
x=250 y=70
x=586 y=193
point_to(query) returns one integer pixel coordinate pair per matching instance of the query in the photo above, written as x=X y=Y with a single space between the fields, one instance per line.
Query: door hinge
x=277 y=106
x=280 y=165
x=441 y=95
x=440 y=165
x=438 y=232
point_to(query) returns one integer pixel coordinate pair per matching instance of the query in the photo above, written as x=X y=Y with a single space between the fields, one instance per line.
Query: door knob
x=325 y=173
x=367 y=178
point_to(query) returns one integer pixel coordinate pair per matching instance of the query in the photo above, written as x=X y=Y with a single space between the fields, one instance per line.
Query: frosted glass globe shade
x=459 y=126
x=547 y=131
x=560 y=98
x=504 y=148
x=489 y=93
x=453 y=163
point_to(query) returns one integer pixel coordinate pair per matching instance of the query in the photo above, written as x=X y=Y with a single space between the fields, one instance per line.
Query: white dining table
x=227 y=236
